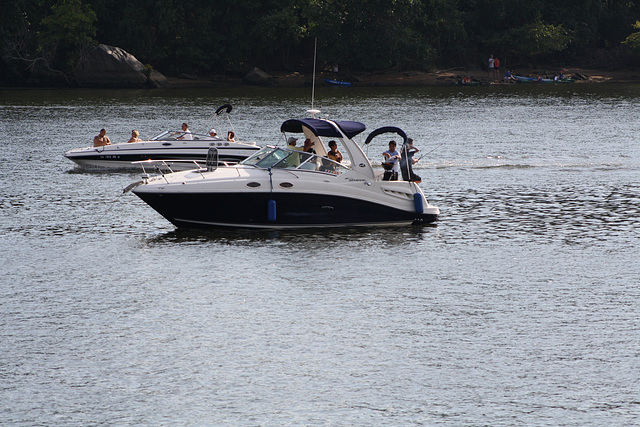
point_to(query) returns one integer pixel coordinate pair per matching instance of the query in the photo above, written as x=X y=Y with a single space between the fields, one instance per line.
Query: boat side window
x=332 y=166
x=267 y=157
x=256 y=157
x=291 y=160
x=321 y=164
x=273 y=157
x=305 y=160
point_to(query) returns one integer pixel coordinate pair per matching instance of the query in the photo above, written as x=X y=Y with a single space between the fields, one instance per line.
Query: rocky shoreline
x=404 y=78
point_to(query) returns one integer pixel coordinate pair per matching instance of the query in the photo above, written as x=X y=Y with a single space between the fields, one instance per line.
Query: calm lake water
x=520 y=306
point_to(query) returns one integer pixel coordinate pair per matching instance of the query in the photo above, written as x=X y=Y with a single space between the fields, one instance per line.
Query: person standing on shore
x=496 y=68
x=491 y=68
x=101 y=139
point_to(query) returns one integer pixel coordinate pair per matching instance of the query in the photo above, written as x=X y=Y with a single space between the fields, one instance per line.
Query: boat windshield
x=282 y=158
x=174 y=135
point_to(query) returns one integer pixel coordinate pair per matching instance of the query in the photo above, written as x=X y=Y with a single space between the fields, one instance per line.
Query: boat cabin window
x=280 y=158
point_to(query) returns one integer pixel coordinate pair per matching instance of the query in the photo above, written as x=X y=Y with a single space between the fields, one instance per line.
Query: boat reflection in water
x=169 y=146
x=286 y=188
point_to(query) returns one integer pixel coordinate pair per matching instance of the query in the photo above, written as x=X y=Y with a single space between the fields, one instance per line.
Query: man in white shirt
x=187 y=133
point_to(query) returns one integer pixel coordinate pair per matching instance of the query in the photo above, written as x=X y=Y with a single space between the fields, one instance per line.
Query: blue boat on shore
x=336 y=82
x=523 y=79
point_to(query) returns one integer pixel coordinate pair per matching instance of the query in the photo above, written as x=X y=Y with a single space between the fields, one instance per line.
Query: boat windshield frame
x=170 y=135
x=271 y=157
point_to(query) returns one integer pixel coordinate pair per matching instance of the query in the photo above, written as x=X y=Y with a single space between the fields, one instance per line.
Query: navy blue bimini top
x=323 y=127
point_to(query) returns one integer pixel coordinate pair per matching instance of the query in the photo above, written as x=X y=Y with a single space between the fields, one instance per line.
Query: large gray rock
x=108 y=66
x=258 y=77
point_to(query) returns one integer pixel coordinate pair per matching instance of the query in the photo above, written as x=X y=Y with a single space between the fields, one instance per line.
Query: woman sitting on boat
x=334 y=154
x=134 y=136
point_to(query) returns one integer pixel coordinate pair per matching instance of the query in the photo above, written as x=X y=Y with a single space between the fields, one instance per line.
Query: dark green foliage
x=230 y=36
x=633 y=41
x=65 y=32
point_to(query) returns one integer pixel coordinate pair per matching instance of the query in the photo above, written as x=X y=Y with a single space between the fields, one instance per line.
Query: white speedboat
x=285 y=188
x=177 y=154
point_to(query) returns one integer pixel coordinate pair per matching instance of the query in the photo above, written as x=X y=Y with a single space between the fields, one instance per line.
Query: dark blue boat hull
x=290 y=210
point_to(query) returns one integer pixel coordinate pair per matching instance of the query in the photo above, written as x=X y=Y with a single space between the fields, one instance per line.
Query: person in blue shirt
x=508 y=77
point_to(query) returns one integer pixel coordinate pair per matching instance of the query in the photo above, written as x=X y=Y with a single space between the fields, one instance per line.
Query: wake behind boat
x=178 y=154
x=287 y=188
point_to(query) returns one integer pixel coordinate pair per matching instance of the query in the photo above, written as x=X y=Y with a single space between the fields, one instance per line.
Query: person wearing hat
x=291 y=144
x=213 y=133
x=293 y=161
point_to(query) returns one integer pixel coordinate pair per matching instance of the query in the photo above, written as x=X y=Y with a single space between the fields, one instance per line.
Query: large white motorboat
x=176 y=153
x=279 y=188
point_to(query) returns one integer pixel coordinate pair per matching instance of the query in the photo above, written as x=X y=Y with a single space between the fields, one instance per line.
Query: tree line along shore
x=45 y=42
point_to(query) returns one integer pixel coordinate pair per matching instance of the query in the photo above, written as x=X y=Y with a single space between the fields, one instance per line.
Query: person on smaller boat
x=101 y=139
x=186 y=133
x=213 y=133
x=134 y=136
x=231 y=136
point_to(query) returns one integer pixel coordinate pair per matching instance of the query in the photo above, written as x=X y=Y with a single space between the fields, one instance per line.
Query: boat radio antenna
x=313 y=81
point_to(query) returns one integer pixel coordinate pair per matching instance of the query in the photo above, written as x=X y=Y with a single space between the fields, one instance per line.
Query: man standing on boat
x=392 y=160
x=101 y=139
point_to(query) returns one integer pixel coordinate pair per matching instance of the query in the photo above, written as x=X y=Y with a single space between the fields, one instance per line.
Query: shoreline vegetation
x=447 y=77
x=75 y=43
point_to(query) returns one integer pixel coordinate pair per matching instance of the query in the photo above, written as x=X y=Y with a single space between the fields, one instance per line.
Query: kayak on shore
x=524 y=79
x=336 y=82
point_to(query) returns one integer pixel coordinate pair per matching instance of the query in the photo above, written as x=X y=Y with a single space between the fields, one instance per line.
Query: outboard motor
x=212 y=159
